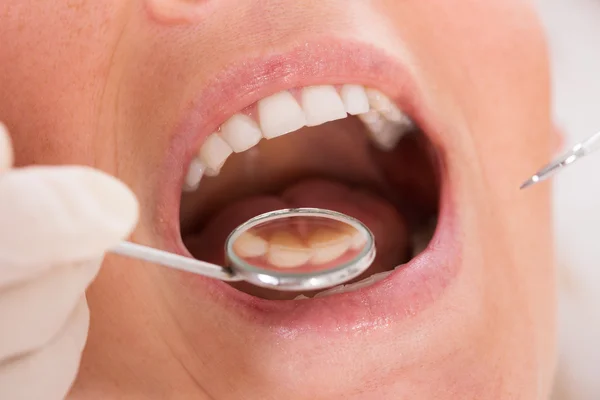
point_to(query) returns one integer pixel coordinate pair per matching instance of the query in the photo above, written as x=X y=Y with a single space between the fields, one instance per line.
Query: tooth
x=384 y=134
x=301 y=297
x=380 y=276
x=328 y=245
x=287 y=251
x=214 y=153
x=371 y=280
x=385 y=106
x=194 y=175
x=355 y=99
x=322 y=104
x=280 y=114
x=211 y=172
x=329 y=292
x=248 y=245
x=373 y=119
x=241 y=132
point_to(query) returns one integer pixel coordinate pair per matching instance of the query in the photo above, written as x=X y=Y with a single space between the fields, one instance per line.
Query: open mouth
x=355 y=134
x=346 y=148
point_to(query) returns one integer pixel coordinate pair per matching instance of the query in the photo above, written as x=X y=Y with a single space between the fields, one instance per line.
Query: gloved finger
x=6 y=151
x=56 y=215
x=49 y=372
x=33 y=312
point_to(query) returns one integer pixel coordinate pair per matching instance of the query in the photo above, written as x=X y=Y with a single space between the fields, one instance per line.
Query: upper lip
x=323 y=62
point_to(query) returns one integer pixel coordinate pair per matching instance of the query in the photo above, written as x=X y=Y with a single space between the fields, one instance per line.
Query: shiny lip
x=402 y=293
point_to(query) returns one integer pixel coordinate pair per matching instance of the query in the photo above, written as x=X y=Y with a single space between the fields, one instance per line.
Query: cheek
x=53 y=71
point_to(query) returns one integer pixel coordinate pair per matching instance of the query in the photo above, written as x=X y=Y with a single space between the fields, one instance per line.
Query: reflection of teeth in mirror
x=286 y=250
x=359 y=240
x=249 y=245
x=328 y=245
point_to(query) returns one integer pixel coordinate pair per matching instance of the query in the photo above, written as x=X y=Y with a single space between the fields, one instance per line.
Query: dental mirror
x=296 y=249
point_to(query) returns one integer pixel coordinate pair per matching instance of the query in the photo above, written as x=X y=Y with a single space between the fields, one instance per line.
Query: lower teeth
x=371 y=280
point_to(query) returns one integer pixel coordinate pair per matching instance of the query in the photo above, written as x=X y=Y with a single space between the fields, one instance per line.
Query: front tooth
x=328 y=245
x=194 y=175
x=287 y=251
x=355 y=99
x=241 y=132
x=322 y=104
x=248 y=245
x=214 y=153
x=280 y=114
x=385 y=106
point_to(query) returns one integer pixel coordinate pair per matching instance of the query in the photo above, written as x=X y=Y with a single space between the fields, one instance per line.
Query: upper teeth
x=283 y=113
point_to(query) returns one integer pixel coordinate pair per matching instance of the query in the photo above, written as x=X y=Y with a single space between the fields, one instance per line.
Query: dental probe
x=577 y=152
x=295 y=249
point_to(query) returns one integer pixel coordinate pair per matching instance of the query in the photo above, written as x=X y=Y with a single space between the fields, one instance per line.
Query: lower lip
x=407 y=291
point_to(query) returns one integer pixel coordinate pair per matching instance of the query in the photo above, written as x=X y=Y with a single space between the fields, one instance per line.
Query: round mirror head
x=300 y=249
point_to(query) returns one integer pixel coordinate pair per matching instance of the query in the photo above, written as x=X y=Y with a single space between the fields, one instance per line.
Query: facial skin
x=106 y=83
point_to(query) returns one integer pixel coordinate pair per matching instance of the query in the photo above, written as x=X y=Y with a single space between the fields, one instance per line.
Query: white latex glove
x=55 y=225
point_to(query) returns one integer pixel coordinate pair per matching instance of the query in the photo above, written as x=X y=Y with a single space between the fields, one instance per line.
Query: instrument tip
x=530 y=182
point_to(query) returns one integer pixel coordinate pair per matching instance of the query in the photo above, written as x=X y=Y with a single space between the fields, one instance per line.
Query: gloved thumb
x=51 y=216
x=6 y=152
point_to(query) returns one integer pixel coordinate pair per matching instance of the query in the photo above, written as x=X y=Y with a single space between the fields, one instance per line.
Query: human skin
x=107 y=83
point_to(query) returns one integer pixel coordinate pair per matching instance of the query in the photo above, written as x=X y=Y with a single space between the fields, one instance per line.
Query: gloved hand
x=55 y=225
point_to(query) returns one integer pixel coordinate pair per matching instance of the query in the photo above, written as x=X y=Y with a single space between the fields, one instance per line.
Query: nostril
x=177 y=11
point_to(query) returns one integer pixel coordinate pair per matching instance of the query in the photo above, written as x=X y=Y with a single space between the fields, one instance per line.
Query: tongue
x=387 y=225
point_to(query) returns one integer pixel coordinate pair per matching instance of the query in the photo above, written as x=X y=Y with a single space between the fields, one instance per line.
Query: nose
x=178 y=11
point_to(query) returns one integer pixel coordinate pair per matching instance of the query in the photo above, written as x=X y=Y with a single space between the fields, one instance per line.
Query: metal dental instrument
x=295 y=249
x=577 y=152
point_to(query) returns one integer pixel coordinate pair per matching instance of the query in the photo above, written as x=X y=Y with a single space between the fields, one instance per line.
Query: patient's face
x=418 y=118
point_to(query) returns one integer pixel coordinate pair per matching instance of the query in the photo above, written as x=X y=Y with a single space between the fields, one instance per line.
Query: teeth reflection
x=248 y=245
x=357 y=238
x=287 y=251
x=328 y=245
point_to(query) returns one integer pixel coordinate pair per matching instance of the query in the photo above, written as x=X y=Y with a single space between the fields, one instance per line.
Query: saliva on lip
x=299 y=244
